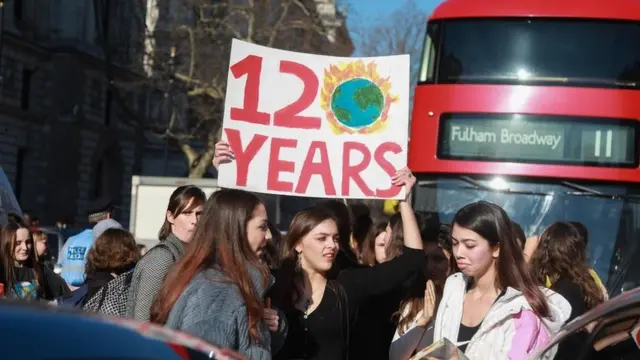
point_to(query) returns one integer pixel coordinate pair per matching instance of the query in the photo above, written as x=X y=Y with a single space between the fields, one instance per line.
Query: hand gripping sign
x=311 y=125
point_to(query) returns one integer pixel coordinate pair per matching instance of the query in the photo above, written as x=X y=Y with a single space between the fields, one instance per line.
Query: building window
x=19 y=179
x=9 y=66
x=18 y=10
x=101 y=178
x=95 y=94
x=25 y=92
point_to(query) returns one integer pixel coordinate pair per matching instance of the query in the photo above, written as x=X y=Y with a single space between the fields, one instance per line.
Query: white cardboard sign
x=312 y=125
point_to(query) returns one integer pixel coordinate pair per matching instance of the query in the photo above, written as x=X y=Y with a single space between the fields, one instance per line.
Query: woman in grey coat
x=216 y=291
x=183 y=211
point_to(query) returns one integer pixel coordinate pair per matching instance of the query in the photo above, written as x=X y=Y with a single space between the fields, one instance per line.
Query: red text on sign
x=287 y=117
x=351 y=172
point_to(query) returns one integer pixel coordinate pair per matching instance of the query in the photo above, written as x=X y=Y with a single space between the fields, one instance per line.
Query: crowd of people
x=339 y=284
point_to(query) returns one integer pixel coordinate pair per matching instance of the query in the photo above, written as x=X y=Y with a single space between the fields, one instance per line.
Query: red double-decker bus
x=535 y=105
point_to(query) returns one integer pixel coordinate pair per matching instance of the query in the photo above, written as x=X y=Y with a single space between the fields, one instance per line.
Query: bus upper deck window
x=428 y=64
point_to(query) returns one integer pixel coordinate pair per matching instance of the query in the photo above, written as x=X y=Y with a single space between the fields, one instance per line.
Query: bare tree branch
x=193 y=82
x=401 y=32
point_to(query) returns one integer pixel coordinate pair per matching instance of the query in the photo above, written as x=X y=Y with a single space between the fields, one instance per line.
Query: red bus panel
x=431 y=101
x=578 y=9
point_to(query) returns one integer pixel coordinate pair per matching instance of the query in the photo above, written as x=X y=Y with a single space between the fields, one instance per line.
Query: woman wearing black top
x=20 y=273
x=320 y=311
x=560 y=259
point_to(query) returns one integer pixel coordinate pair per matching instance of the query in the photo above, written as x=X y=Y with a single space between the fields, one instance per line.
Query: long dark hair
x=285 y=291
x=178 y=203
x=368 y=248
x=492 y=223
x=8 y=237
x=562 y=253
x=396 y=242
x=436 y=269
x=220 y=240
x=273 y=249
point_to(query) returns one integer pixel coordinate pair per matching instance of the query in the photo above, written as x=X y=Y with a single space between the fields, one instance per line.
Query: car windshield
x=611 y=213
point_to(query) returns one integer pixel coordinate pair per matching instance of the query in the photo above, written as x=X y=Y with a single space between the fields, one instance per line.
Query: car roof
x=35 y=330
x=620 y=303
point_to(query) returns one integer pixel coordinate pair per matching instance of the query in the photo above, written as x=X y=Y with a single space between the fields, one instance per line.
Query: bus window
x=428 y=64
x=568 y=52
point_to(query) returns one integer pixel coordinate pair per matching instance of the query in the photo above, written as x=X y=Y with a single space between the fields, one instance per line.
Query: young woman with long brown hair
x=216 y=291
x=374 y=249
x=494 y=309
x=183 y=212
x=320 y=310
x=561 y=259
x=20 y=273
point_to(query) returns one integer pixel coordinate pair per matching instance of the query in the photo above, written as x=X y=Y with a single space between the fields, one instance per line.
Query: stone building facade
x=62 y=141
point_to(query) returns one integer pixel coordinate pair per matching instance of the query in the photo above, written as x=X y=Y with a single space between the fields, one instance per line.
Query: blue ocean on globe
x=357 y=103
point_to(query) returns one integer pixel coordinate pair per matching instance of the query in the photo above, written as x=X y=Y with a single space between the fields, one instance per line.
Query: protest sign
x=312 y=125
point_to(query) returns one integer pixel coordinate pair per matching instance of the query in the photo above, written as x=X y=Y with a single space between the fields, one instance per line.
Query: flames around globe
x=357 y=103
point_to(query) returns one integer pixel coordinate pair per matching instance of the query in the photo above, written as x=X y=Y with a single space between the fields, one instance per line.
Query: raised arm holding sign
x=311 y=125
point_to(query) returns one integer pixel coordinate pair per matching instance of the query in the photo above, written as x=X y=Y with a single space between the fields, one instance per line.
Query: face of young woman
x=380 y=247
x=22 y=248
x=258 y=232
x=183 y=225
x=473 y=253
x=318 y=249
x=41 y=247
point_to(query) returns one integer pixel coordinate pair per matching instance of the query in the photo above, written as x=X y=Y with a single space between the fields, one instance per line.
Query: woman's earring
x=298 y=265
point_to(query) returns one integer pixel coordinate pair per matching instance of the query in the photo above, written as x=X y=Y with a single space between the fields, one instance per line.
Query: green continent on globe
x=342 y=114
x=367 y=96
x=336 y=93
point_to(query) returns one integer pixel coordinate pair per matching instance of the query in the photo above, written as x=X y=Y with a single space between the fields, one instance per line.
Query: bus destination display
x=538 y=139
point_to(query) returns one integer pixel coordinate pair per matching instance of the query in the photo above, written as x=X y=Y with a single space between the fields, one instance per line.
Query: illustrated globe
x=357 y=103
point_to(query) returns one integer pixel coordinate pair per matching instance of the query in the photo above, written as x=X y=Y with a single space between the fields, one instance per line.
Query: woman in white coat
x=493 y=309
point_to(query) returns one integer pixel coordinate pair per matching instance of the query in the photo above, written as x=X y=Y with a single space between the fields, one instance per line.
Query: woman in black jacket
x=320 y=309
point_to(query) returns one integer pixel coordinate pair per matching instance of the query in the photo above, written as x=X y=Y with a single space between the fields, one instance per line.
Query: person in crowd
x=20 y=273
x=29 y=220
x=183 y=211
x=373 y=331
x=217 y=290
x=444 y=242
x=584 y=236
x=142 y=249
x=43 y=255
x=109 y=271
x=14 y=218
x=414 y=318
x=374 y=250
x=519 y=234
x=73 y=256
x=273 y=249
x=493 y=307
x=561 y=260
x=78 y=296
x=319 y=309
x=361 y=225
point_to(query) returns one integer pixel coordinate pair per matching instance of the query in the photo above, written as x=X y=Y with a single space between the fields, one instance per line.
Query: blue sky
x=372 y=9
